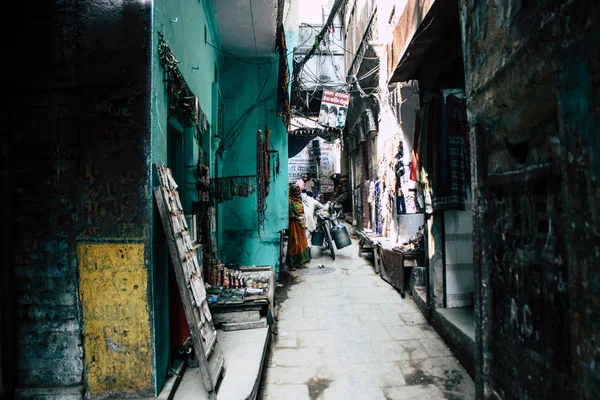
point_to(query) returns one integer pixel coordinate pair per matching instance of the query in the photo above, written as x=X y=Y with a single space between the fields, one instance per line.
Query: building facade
x=521 y=78
x=97 y=103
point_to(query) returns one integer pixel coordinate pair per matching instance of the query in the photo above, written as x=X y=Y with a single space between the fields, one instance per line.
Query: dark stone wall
x=532 y=73
x=77 y=129
x=7 y=297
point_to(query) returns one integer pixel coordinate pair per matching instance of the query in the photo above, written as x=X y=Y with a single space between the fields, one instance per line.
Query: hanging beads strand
x=260 y=181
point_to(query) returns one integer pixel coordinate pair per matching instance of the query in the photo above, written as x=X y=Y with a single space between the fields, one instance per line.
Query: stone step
x=245 y=325
x=236 y=317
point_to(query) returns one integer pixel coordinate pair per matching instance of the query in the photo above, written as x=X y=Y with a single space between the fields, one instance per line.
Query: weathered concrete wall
x=7 y=291
x=113 y=285
x=79 y=124
x=532 y=75
x=41 y=123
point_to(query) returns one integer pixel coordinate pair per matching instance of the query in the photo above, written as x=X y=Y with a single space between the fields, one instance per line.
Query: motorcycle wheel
x=329 y=241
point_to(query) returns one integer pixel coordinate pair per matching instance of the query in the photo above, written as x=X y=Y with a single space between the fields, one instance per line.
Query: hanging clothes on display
x=430 y=124
x=442 y=168
x=400 y=203
x=453 y=195
x=414 y=159
x=399 y=171
x=371 y=200
x=379 y=187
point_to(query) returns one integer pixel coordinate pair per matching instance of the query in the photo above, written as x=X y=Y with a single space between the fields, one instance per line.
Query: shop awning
x=430 y=31
x=310 y=128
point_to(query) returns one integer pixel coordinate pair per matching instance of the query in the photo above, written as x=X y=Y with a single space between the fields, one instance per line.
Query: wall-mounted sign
x=334 y=108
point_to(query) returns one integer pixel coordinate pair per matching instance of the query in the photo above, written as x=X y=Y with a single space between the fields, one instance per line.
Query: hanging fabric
x=453 y=194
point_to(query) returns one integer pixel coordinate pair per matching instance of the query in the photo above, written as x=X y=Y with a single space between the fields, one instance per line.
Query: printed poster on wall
x=334 y=108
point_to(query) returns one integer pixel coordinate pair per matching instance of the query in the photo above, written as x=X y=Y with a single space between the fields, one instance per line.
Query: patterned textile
x=379 y=188
x=453 y=194
x=298 y=252
x=458 y=173
x=414 y=159
x=442 y=153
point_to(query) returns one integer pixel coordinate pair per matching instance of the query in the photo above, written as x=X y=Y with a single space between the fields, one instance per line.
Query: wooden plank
x=183 y=289
x=216 y=364
x=203 y=334
x=236 y=326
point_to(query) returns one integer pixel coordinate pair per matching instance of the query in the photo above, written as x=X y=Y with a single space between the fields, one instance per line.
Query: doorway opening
x=170 y=329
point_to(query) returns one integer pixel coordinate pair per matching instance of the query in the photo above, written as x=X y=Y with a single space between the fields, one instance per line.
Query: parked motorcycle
x=329 y=229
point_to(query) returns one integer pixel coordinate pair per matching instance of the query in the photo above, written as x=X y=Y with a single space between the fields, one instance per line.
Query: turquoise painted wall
x=197 y=64
x=239 y=238
x=239 y=85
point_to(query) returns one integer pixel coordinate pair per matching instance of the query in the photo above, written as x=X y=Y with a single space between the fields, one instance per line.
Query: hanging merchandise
x=261 y=184
x=442 y=153
x=283 y=102
x=203 y=182
x=212 y=217
x=379 y=189
x=226 y=188
x=399 y=165
x=454 y=193
x=267 y=162
x=274 y=163
x=183 y=105
x=272 y=158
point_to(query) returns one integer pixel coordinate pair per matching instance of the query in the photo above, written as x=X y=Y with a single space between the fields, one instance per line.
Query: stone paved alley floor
x=349 y=335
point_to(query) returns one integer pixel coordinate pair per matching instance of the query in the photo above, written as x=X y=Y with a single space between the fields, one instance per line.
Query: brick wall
x=43 y=119
x=532 y=75
x=45 y=214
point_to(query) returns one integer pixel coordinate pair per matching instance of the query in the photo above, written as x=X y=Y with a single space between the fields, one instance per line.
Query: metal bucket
x=317 y=237
x=340 y=236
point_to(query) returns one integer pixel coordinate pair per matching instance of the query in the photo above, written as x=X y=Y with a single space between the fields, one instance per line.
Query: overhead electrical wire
x=253 y=29
x=334 y=9
x=231 y=136
x=234 y=131
x=338 y=45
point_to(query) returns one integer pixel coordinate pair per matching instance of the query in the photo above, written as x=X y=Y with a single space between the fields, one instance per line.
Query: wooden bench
x=369 y=244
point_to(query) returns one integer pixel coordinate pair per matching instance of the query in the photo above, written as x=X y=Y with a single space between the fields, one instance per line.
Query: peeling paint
x=113 y=290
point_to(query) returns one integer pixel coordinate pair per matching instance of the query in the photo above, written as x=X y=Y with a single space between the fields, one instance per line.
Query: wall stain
x=113 y=290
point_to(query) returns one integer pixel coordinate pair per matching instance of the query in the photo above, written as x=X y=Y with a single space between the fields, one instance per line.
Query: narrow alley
x=167 y=165
x=344 y=333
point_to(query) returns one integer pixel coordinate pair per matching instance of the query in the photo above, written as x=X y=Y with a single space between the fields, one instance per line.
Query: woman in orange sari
x=298 y=252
